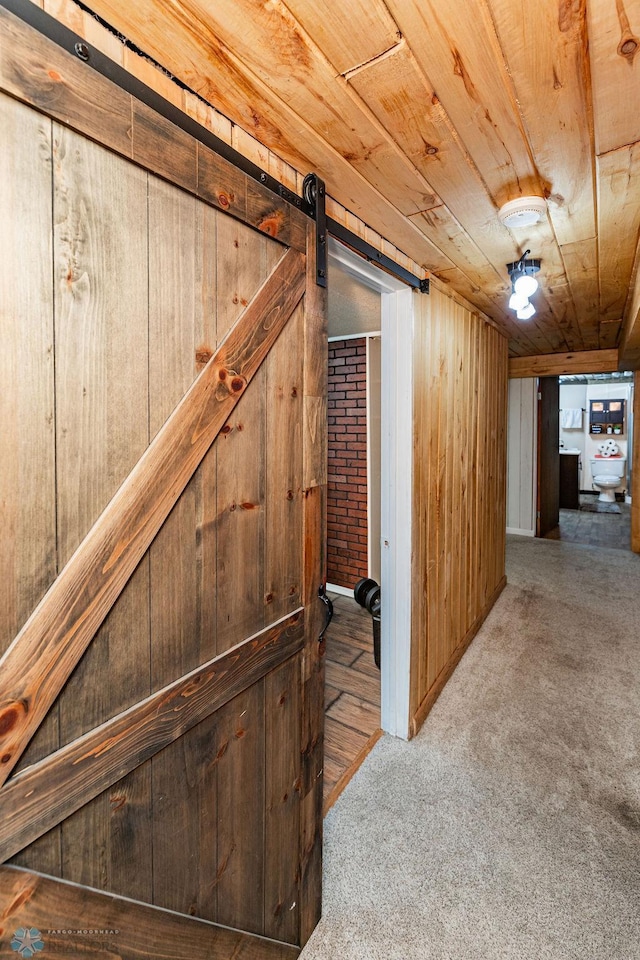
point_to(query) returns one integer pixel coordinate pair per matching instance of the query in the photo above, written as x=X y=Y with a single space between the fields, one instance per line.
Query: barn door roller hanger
x=314 y=196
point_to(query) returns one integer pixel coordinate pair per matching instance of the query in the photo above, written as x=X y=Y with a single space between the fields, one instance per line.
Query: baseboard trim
x=516 y=531
x=439 y=683
x=343 y=591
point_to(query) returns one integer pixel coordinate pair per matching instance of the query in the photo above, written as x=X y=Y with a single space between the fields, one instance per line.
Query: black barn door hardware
x=313 y=193
x=352 y=240
x=322 y=594
x=367 y=593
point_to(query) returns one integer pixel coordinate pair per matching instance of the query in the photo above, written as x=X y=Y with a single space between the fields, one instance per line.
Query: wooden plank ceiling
x=425 y=116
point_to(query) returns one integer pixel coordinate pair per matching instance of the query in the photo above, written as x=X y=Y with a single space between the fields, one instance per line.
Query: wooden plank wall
x=28 y=559
x=147 y=280
x=459 y=489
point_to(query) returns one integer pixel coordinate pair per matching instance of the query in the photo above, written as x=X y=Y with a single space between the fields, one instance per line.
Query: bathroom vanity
x=569 y=479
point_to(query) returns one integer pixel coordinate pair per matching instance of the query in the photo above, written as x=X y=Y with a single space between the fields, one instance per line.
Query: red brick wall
x=347 y=447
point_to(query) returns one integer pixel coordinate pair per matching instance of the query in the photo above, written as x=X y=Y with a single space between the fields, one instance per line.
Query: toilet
x=607 y=473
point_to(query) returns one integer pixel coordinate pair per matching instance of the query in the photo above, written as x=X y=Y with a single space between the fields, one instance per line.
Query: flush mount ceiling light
x=522 y=212
x=526 y=312
x=523 y=285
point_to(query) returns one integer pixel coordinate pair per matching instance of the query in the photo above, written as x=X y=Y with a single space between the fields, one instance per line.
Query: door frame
x=396 y=482
x=547 y=461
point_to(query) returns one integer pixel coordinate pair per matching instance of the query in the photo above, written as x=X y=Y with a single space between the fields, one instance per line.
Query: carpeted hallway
x=509 y=829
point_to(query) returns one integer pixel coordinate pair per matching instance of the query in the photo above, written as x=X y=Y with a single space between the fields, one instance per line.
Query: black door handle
x=322 y=594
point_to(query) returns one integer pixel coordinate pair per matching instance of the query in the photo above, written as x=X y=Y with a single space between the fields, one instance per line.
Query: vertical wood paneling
x=101 y=329
x=460 y=381
x=27 y=465
x=184 y=824
x=206 y=478
x=182 y=285
x=173 y=264
x=27 y=462
x=419 y=603
x=447 y=492
x=240 y=875
x=494 y=414
x=240 y=513
x=465 y=423
x=314 y=520
x=244 y=259
x=282 y=786
x=431 y=449
x=284 y=423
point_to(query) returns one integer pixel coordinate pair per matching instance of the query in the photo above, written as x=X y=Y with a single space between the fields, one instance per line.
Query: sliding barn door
x=162 y=477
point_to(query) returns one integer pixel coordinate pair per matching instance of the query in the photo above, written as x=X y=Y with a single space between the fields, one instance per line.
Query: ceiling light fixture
x=526 y=312
x=517 y=300
x=523 y=285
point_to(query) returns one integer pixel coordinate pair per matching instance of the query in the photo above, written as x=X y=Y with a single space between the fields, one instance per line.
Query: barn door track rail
x=373 y=255
x=312 y=203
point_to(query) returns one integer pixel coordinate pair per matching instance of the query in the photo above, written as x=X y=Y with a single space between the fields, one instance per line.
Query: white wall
x=574 y=396
x=522 y=456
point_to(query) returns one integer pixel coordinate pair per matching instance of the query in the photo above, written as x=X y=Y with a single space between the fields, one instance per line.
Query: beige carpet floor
x=509 y=828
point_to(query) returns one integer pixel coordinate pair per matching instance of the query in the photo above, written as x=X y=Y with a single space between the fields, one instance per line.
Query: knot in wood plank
x=225 y=200
x=234 y=382
x=271 y=223
x=11 y=719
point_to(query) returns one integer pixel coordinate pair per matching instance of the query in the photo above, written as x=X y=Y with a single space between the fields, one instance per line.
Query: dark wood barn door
x=548 y=512
x=162 y=488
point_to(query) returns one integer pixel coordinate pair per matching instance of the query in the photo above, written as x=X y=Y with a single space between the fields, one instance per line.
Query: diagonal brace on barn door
x=43 y=655
x=143 y=931
x=45 y=794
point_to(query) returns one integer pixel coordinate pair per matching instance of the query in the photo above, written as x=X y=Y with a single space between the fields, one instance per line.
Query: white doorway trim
x=396 y=497
x=396 y=483
x=374 y=458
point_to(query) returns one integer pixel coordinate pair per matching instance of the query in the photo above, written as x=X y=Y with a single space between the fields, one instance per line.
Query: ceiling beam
x=556 y=364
